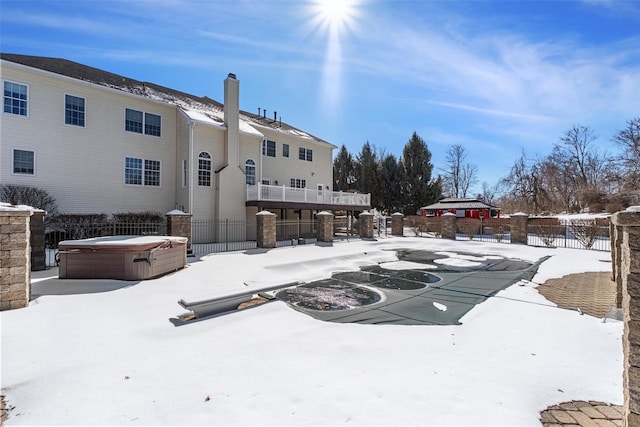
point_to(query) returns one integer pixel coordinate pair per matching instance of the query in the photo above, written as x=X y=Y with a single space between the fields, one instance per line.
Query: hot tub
x=121 y=257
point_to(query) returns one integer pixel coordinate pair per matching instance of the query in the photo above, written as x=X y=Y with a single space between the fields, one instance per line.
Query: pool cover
x=439 y=296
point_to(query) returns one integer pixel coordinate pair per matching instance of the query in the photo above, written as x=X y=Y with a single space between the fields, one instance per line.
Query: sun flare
x=336 y=14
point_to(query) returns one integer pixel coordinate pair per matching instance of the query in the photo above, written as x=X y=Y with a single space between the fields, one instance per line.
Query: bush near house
x=29 y=196
x=83 y=226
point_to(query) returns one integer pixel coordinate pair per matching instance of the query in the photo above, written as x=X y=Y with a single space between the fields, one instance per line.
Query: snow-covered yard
x=116 y=358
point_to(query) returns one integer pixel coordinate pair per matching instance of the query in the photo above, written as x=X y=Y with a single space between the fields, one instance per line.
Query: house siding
x=83 y=167
x=282 y=169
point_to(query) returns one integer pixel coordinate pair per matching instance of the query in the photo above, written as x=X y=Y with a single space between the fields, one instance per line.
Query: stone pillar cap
x=176 y=212
x=449 y=214
x=324 y=213
x=519 y=214
x=366 y=213
x=397 y=213
x=265 y=213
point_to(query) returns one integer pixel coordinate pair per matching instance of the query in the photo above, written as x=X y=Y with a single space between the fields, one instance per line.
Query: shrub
x=547 y=231
x=585 y=231
x=30 y=196
x=75 y=226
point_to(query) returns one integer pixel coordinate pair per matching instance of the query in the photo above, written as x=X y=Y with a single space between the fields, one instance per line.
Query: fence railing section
x=591 y=233
x=295 y=231
x=274 y=193
x=574 y=233
x=208 y=236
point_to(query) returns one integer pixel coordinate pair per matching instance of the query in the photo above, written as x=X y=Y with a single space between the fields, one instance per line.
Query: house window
x=268 y=148
x=250 y=171
x=185 y=173
x=305 y=154
x=285 y=150
x=133 y=121
x=204 y=169
x=152 y=173
x=15 y=98
x=73 y=110
x=132 y=171
x=151 y=124
x=137 y=121
x=298 y=183
x=24 y=162
x=141 y=172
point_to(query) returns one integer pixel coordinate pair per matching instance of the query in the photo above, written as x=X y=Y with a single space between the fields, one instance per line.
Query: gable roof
x=457 y=203
x=203 y=108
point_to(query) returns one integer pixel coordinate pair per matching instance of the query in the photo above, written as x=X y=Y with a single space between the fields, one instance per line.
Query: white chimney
x=232 y=118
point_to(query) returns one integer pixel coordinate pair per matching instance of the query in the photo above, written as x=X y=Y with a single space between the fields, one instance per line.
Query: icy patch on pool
x=406 y=265
x=457 y=262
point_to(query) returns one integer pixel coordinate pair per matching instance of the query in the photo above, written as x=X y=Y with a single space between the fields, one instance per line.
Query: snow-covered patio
x=116 y=358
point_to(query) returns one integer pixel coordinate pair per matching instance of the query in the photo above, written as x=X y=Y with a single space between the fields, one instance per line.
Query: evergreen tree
x=367 y=174
x=390 y=178
x=343 y=170
x=419 y=190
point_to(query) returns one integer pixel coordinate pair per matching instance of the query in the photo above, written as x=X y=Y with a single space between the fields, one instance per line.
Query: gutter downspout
x=191 y=178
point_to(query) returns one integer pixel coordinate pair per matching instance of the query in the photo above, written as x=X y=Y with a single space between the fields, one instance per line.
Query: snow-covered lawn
x=116 y=358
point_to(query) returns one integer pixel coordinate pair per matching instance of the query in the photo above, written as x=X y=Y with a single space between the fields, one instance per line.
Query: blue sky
x=497 y=77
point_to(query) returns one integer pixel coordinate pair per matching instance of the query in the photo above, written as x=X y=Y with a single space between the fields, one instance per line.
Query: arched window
x=250 y=171
x=204 y=169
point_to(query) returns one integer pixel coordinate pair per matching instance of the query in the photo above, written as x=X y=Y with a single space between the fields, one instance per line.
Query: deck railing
x=274 y=193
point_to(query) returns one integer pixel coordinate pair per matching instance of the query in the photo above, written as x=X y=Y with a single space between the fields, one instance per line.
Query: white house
x=103 y=143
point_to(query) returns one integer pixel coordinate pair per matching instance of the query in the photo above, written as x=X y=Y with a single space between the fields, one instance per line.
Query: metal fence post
x=226 y=234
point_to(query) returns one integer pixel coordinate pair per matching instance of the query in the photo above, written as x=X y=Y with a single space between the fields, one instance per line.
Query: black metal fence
x=209 y=236
x=587 y=233
x=591 y=233
x=295 y=232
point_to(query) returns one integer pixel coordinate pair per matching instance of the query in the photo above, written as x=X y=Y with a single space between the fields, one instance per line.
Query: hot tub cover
x=123 y=243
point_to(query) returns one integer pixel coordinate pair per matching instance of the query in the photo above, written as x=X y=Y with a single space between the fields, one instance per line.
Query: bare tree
x=581 y=167
x=489 y=192
x=524 y=185
x=629 y=140
x=458 y=176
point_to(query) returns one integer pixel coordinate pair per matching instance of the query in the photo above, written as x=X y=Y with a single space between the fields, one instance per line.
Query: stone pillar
x=266 y=229
x=629 y=222
x=179 y=224
x=616 y=260
x=366 y=225
x=519 y=228
x=397 y=224
x=15 y=257
x=38 y=254
x=324 y=226
x=449 y=225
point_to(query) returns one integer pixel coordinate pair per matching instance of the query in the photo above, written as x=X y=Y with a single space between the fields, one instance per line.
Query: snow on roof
x=202 y=109
x=202 y=116
x=455 y=203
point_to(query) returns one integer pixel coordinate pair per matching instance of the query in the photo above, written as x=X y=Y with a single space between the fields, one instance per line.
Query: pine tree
x=419 y=190
x=343 y=170
x=367 y=174
x=390 y=178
